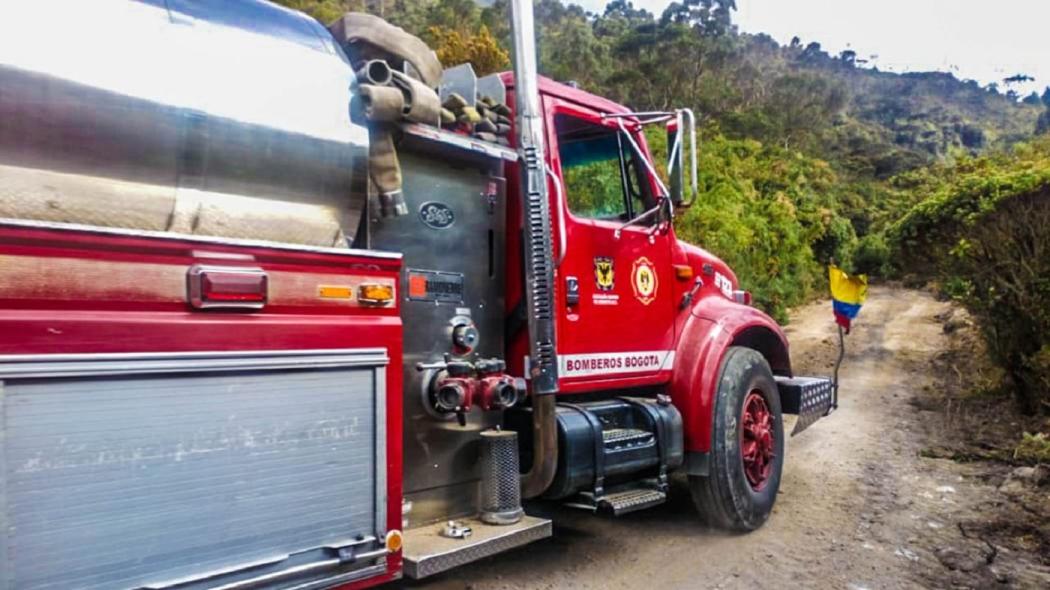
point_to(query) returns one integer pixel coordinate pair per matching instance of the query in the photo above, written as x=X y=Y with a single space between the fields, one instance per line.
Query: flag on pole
x=847 y=295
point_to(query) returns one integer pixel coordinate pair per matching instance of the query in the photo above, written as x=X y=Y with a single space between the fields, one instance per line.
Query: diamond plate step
x=426 y=552
x=618 y=437
x=620 y=501
x=631 y=500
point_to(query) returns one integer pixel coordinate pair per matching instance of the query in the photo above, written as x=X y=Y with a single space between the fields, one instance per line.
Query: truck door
x=615 y=310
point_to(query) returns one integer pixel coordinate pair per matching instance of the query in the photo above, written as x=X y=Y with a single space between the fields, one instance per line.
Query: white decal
x=724 y=284
x=614 y=363
x=605 y=299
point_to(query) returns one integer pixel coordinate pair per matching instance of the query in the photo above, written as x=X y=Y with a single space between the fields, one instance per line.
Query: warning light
x=394 y=541
x=226 y=287
x=375 y=294
x=335 y=292
x=683 y=272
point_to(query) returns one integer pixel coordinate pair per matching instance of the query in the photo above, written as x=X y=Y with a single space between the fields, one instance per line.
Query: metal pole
x=539 y=270
x=842 y=353
x=539 y=266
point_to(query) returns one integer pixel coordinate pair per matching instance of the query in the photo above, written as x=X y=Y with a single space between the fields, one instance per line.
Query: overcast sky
x=978 y=39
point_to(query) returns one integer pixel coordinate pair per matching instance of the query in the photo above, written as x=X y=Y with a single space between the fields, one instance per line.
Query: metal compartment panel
x=152 y=473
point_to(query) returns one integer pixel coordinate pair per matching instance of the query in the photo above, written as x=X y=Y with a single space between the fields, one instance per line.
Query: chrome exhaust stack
x=539 y=263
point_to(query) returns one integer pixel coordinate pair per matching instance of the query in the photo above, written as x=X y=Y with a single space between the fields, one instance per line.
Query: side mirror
x=677 y=129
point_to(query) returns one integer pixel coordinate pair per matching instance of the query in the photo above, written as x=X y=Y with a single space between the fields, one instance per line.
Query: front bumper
x=811 y=398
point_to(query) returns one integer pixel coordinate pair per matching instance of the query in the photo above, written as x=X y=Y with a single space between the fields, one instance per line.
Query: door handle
x=572 y=291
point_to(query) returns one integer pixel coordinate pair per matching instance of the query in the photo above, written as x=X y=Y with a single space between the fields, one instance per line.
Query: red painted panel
x=620 y=334
x=82 y=291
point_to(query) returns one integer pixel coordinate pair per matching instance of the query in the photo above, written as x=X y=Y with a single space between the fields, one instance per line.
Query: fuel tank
x=228 y=119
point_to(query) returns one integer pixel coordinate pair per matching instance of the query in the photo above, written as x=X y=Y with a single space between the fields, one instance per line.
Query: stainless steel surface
x=205 y=240
x=544 y=447
x=441 y=470
x=236 y=474
x=817 y=400
x=539 y=266
x=456 y=530
x=460 y=142
x=492 y=86
x=168 y=115
x=623 y=501
x=559 y=198
x=460 y=80
x=500 y=479
x=333 y=581
x=683 y=116
x=195 y=286
x=427 y=553
x=213 y=574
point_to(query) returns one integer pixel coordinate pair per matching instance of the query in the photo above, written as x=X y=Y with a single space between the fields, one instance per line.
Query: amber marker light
x=375 y=294
x=394 y=540
x=683 y=272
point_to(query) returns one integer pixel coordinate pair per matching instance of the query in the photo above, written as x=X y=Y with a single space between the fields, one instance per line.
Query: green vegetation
x=1033 y=448
x=809 y=157
x=984 y=233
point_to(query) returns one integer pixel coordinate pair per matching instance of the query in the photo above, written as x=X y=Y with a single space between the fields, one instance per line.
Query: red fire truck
x=224 y=363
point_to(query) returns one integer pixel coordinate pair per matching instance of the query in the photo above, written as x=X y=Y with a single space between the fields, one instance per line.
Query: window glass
x=602 y=175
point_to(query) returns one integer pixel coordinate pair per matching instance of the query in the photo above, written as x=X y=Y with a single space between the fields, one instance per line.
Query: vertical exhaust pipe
x=539 y=267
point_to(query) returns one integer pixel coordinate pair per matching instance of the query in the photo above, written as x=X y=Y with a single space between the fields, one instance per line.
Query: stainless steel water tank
x=227 y=118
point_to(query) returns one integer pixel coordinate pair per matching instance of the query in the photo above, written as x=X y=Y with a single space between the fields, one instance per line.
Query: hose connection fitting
x=458 y=385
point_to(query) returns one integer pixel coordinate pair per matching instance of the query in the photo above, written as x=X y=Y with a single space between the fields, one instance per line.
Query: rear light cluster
x=227 y=287
x=375 y=294
x=742 y=297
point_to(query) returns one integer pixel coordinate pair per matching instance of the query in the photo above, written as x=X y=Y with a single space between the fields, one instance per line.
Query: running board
x=427 y=551
x=620 y=501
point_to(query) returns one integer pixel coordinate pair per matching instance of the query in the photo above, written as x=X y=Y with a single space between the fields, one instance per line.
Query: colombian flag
x=847 y=295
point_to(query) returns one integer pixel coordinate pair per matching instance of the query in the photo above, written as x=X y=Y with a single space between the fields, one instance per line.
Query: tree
x=1042 y=124
x=479 y=49
x=708 y=17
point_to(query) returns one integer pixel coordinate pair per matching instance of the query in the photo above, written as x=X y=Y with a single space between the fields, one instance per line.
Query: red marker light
x=227 y=287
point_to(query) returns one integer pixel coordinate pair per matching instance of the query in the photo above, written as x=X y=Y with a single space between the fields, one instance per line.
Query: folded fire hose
x=379 y=52
x=370 y=37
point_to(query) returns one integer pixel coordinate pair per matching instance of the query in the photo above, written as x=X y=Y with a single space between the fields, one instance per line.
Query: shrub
x=1033 y=448
x=872 y=256
x=986 y=233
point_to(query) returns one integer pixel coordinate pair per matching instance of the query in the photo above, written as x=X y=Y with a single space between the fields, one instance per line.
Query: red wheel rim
x=757 y=441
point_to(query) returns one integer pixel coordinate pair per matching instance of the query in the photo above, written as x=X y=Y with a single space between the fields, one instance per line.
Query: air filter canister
x=500 y=480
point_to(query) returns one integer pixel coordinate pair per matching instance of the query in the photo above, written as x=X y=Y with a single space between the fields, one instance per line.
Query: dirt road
x=859 y=508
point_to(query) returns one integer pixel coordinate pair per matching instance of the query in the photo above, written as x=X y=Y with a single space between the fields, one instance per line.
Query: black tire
x=726 y=498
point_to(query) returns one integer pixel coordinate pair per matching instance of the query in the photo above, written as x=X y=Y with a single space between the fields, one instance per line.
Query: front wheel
x=747 y=452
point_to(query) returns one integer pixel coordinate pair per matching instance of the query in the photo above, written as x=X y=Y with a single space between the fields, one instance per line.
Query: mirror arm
x=648 y=165
x=642 y=217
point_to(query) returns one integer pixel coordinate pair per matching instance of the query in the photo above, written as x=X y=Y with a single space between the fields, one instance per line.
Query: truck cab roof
x=550 y=87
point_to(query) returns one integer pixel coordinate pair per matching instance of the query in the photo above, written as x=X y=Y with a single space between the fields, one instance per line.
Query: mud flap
x=811 y=398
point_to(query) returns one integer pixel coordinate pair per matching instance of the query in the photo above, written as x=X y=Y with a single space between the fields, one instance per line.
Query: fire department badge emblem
x=604 y=273
x=644 y=281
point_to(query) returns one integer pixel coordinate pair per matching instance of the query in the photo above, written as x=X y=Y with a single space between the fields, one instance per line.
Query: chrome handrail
x=559 y=198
